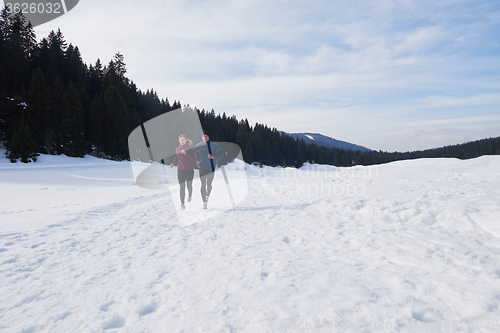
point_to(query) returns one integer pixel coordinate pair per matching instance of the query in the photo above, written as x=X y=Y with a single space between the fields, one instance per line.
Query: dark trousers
x=206 y=177
x=185 y=176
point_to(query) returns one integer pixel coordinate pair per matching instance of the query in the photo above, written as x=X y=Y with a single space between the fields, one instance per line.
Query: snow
x=310 y=137
x=402 y=247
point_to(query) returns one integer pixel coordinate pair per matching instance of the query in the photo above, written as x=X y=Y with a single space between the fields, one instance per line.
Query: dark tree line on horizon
x=53 y=103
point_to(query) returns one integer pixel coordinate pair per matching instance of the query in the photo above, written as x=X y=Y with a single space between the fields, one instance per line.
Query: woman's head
x=183 y=139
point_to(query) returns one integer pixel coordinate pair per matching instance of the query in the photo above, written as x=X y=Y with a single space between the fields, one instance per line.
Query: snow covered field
x=410 y=246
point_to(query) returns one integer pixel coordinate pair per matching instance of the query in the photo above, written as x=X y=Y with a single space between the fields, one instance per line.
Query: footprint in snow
x=147 y=309
x=9 y=261
x=114 y=322
x=106 y=306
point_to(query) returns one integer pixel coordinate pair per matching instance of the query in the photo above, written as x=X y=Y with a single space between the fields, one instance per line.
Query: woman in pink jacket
x=184 y=159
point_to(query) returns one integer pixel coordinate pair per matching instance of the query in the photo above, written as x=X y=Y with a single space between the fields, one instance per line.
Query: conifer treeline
x=272 y=147
x=53 y=103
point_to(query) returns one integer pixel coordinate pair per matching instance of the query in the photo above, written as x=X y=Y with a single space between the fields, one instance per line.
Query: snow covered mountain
x=323 y=140
x=408 y=246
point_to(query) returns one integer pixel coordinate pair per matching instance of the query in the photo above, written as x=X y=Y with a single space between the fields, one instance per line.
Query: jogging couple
x=205 y=156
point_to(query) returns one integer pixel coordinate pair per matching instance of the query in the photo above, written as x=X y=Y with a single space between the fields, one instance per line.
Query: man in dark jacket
x=206 y=164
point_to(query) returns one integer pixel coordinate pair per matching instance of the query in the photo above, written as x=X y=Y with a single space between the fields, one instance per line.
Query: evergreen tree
x=115 y=71
x=5 y=33
x=241 y=134
x=267 y=154
x=55 y=134
x=75 y=70
x=11 y=111
x=96 y=126
x=300 y=155
x=119 y=66
x=95 y=80
x=38 y=107
x=5 y=26
x=74 y=144
x=248 y=151
x=19 y=46
x=22 y=146
x=58 y=45
x=116 y=122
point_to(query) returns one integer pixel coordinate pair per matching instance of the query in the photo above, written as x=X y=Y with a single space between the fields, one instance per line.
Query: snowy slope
x=408 y=246
x=323 y=140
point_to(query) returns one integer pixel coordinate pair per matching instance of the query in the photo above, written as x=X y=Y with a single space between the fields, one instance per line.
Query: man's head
x=206 y=136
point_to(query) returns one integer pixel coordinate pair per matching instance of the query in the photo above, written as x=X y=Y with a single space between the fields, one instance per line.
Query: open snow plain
x=410 y=246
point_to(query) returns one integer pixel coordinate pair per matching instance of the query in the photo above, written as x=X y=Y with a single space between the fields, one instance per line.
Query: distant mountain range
x=323 y=140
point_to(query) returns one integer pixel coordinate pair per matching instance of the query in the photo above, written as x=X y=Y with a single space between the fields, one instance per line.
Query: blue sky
x=387 y=74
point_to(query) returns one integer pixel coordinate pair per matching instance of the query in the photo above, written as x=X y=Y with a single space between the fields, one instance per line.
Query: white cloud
x=420 y=40
x=459 y=101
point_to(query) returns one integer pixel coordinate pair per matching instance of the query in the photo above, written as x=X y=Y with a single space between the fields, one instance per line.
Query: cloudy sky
x=386 y=74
